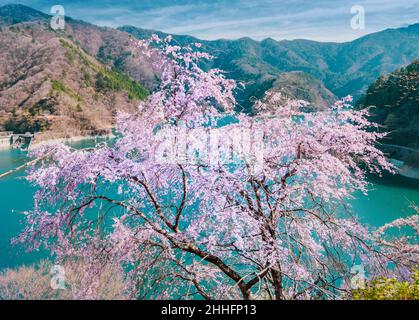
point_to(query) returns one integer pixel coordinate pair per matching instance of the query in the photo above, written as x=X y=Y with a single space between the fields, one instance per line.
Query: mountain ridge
x=151 y=31
x=344 y=68
x=321 y=71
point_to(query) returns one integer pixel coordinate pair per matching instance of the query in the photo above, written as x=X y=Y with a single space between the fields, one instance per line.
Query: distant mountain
x=395 y=98
x=344 y=68
x=53 y=81
x=76 y=77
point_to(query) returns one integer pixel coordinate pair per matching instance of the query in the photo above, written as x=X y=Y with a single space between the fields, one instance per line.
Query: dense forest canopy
x=396 y=108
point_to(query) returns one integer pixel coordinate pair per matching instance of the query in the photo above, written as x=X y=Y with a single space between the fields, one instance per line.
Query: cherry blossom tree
x=259 y=217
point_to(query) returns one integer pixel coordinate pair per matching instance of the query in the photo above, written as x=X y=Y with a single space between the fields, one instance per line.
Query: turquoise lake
x=389 y=198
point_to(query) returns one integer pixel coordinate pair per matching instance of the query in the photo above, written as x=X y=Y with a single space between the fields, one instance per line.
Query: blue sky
x=322 y=20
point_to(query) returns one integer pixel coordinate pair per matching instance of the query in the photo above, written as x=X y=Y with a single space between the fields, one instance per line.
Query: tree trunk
x=277 y=282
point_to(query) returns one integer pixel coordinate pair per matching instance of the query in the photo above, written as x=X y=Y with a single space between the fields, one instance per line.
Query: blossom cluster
x=188 y=227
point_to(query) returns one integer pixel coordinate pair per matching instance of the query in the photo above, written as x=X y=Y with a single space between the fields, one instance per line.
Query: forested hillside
x=395 y=101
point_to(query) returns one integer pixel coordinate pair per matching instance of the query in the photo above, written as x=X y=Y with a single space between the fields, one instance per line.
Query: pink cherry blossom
x=225 y=231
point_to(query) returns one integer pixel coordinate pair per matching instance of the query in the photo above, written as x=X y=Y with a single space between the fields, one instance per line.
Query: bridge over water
x=15 y=140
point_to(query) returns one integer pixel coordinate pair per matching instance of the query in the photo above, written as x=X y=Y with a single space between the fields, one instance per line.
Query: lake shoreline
x=69 y=140
x=402 y=170
x=409 y=172
x=35 y=144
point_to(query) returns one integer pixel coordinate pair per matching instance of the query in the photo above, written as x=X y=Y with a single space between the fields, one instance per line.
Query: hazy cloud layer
x=324 y=20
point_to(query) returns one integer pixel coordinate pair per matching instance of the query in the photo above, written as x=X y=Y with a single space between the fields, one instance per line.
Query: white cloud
x=326 y=20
